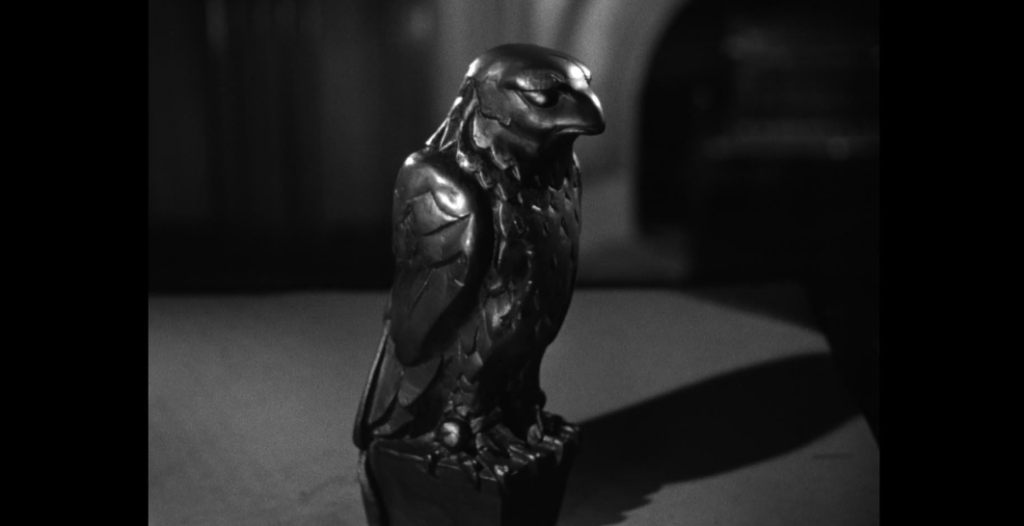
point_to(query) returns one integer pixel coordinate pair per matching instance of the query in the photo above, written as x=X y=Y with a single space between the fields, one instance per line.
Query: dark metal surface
x=486 y=224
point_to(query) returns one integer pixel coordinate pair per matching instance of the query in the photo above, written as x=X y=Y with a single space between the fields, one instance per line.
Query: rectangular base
x=406 y=494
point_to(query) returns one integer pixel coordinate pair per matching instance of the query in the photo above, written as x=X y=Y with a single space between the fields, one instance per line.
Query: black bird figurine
x=486 y=223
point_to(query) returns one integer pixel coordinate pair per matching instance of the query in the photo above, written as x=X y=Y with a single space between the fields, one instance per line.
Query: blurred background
x=741 y=148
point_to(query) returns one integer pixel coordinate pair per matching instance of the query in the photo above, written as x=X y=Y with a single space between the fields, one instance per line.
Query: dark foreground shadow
x=718 y=425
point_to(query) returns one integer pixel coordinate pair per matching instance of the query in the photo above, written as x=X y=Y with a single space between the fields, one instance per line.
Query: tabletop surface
x=705 y=407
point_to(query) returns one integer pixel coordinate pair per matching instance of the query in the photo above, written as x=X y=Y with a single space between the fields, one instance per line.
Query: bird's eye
x=541 y=98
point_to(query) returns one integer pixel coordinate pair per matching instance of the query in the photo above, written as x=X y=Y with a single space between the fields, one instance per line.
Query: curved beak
x=585 y=116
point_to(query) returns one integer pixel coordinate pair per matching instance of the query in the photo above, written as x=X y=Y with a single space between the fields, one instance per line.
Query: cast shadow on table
x=728 y=422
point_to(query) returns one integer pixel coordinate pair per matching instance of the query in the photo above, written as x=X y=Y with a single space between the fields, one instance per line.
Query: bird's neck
x=534 y=171
x=548 y=170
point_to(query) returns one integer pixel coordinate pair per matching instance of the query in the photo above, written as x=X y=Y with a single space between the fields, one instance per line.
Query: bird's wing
x=435 y=238
x=436 y=233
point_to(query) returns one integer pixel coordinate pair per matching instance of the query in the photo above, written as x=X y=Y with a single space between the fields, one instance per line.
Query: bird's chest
x=533 y=269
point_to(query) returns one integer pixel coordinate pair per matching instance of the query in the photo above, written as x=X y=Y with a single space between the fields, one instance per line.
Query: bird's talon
x=433 y=459
x=555 y=446
x=484 y=443
x=568 y=432
x=535 y=435
x=472 y=468
x=539 y=414
x=524 y=457
x=489 y=463
x=500 y=471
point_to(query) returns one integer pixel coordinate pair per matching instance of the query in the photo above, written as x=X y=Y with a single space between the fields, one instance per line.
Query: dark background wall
x=276 y=128
x=760 y=133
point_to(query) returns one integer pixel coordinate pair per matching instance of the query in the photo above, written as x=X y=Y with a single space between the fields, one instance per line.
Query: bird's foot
x=513 y=447
x=487 y=445
x=471 y=465
x=551 y=433
x=433 y=458
x=497 y=453
x=488 y=460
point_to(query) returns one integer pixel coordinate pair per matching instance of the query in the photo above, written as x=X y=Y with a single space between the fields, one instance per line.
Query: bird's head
x=533 y=99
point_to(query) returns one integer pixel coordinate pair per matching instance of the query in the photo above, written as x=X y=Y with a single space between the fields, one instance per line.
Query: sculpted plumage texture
x=486 y=223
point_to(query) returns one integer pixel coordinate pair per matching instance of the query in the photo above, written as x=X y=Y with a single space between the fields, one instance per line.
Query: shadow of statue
x=718 y=425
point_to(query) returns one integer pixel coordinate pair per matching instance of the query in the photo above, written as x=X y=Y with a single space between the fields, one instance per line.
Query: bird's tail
x=360 y=433
x=376 y=515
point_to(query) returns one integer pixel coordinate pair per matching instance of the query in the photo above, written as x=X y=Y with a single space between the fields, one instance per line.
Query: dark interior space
x=732 y=209
x=760 y=133
x=759 y=140
x=276 y=128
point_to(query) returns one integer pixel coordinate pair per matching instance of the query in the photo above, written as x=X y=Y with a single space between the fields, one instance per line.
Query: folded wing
x=436 y=233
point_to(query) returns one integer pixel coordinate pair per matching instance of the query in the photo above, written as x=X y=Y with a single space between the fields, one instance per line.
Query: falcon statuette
x=486 y=222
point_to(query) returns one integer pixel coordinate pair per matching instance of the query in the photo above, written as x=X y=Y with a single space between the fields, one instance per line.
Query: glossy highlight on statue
x=486 y=221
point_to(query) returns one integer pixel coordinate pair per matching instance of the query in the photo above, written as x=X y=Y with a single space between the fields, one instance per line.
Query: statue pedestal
x=410 y=496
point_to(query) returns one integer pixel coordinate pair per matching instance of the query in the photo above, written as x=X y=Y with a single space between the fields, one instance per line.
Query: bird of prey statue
x=486 y=224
